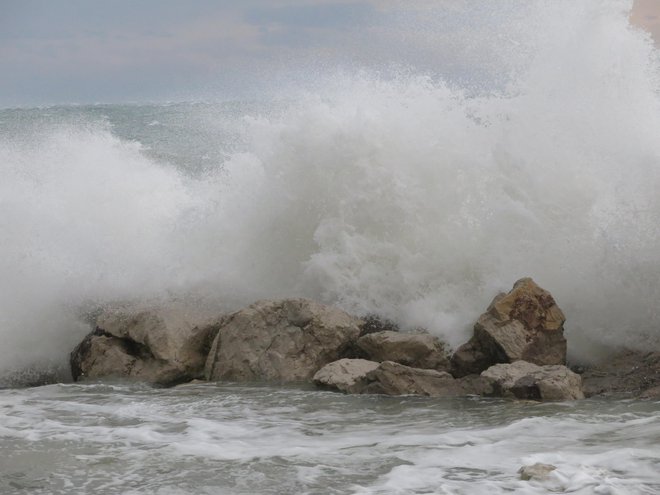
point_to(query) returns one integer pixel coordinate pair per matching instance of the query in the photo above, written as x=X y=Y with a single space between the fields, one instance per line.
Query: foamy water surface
x=229 y=439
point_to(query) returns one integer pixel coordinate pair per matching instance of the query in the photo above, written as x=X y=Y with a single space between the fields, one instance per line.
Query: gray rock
x=160 y=346
x=538 y=472
x=525 y=324
x=345 y=375
x=286 y=340
x=525 y=380
x=415 y=350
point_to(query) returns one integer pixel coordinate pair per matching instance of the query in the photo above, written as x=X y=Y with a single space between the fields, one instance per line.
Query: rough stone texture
x=524 y=380
x=627 y=374
x=415 y=350
x=392 y=378
x=538 y=472
x=344 y=375
x=525 y=324
x=160 y=346
x=286 y=340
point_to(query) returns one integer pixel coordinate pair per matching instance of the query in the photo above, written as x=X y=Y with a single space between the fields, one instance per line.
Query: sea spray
x=416 y=195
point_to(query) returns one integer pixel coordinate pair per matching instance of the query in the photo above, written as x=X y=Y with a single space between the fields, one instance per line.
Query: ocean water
x=523 y=140
x=231 y=439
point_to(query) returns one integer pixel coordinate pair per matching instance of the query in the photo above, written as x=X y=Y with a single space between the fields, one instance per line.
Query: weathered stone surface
x=392 y=378
x=345 y=375
x=160 y=346
x=525 y=324
x=525 y=380
x=415 y=350
x=285 y=340
x=626 y=374
x=538 y=472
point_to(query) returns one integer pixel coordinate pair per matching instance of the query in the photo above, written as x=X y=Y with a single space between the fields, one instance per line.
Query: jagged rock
x=160 y=346
x=415 y=350
x=344 y=375
x=525 y=324
x=538 y=472
x=626 y=374
x=524 y=380
x=285 y=340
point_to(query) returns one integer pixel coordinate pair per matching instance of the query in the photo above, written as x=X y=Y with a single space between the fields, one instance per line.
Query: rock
x=627 y=374
x=525 y=324
x=156 y=345
x=392 y=378
x=524 y=380
x=538 y=472
x=415 y=350
x=344 y=375
x=285 y=340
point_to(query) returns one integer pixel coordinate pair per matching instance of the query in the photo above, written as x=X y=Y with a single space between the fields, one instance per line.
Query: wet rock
x=415 y=350
x=525 y=324
x=285 y=340
x=392 y=378
x=538 y=472
x=374 y=323
x=524 y=380
x=345 y=375
x=627 y=374
x=160 y=346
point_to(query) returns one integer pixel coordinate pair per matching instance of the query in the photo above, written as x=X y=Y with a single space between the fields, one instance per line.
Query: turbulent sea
x=413 y=194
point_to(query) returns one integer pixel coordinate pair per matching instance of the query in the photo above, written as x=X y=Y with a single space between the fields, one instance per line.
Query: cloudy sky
x=136 y=50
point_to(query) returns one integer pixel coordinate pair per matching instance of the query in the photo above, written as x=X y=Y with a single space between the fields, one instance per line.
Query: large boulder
x=286 y=340
x=525 y=324
x=523 y=380
x=625 y=374
x=415 y=350
x=156 y=345
x=345 y=375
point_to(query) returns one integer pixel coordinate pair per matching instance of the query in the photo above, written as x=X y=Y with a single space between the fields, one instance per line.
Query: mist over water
x=417 y=195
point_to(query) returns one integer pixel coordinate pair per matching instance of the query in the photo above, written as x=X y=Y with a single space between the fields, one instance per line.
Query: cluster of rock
x=518 y=349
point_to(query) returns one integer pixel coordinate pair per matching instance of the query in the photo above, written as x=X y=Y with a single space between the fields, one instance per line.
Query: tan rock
x=525 y=380
x=415 y=350
x=525 y=324
x=285 y=340
x=345 y=375
x=158 y=345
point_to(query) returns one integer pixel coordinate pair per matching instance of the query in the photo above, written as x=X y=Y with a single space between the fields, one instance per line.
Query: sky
x=85 y=51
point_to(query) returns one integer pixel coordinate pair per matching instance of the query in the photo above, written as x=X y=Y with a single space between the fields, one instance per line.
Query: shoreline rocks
x=518 y=350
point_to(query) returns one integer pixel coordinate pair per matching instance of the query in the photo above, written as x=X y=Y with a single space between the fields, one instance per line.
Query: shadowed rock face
x=525 y=324
x=157 y=346
x=286 y=340
x=415 y=350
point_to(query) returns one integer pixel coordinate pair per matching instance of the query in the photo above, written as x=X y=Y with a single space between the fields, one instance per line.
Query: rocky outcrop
x=345 y=375
x=283 y=341
x=415 y=350
x=628 y=374
x=525 y=324
x=160 y=346
x=359 y=376
x=524 y=380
